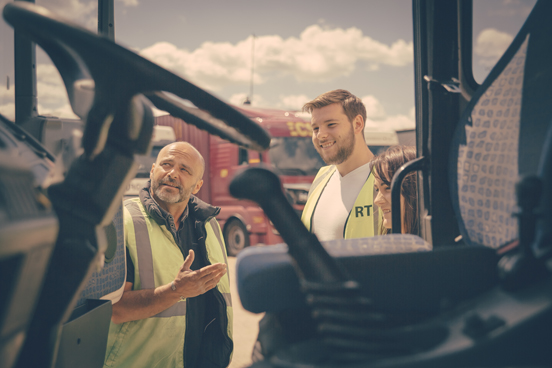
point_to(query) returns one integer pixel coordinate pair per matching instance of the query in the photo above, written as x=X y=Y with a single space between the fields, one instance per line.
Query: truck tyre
x=236 y=237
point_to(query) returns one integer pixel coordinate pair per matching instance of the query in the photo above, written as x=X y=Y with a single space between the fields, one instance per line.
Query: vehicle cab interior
x=473 y=289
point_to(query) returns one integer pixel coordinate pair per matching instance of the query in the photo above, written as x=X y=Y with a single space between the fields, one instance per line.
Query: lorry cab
x=291 y=154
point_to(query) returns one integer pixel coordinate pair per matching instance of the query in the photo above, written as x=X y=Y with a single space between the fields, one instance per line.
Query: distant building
x=407 y=137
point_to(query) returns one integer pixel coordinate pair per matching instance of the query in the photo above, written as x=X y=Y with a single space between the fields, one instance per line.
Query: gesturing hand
x=191 y=283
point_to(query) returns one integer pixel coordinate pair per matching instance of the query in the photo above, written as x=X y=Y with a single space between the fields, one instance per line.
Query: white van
x=378 y=140
x=162 y=135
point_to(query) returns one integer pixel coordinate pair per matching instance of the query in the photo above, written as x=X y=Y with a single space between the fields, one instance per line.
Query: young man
x=340 y=202
x=176 y=308
x=341 y=197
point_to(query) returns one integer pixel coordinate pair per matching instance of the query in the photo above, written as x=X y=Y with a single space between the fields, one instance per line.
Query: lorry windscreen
x=294 y=156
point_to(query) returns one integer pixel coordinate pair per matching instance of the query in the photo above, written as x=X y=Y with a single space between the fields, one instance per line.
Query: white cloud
x=239 y=98
x=129 y=2
x=82 y=12
x=48 y=73
x=319 y=54
x=412 y=114
x=395 y=122
x=293 y=102
x=63 y=111
x=7 y=95
x=50 y=88
x=51 y=92
x=376 y=117
x=8 y=110
x=490 y=45
x=374 y=109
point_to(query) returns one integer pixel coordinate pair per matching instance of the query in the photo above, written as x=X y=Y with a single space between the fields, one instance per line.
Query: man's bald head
x=182 y=146
x=177 y=173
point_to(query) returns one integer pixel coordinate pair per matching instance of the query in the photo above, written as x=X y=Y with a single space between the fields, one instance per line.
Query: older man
x=176 y=308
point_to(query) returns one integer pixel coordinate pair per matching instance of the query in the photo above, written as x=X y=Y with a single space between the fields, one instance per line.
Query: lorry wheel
x=236 y=237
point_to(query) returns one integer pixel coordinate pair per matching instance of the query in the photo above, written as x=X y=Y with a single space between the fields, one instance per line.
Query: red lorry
x=291 y=154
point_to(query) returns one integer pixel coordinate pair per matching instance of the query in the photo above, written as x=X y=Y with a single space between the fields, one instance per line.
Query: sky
x=296 y=49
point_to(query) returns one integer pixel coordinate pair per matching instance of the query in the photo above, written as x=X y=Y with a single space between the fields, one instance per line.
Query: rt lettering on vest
x=359 y=211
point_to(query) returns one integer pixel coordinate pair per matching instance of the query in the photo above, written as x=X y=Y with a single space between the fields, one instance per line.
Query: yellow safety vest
x=158 y=341
x=363 y=217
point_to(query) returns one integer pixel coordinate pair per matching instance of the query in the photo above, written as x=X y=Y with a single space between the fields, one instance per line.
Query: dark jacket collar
x=200 y=210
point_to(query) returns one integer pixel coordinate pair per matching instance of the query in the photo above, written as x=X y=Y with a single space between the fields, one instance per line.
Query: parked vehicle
x=291 y=155
x=378 y=140
x=162 y=136
x=407 y=137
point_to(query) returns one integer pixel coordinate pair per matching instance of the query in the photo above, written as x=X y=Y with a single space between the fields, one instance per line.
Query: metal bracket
x=452 y=85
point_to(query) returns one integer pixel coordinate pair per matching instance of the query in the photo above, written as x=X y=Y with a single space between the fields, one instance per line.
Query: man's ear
x=358 y=124
x=151 y=171
x=197 y=186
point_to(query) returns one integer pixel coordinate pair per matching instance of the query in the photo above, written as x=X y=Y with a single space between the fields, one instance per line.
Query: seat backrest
x=543 y=235
x=501 y=134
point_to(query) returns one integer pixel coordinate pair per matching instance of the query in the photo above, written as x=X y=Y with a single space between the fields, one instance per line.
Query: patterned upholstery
x=393 y=243
x=487 y=165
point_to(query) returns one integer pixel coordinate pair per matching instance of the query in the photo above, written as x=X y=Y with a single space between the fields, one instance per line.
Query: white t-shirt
x=336 y=202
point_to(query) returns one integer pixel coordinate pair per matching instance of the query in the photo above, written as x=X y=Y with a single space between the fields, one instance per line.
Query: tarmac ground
x=246 y=324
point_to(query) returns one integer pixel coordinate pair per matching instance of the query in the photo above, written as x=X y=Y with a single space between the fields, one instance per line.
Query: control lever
x=313 y=262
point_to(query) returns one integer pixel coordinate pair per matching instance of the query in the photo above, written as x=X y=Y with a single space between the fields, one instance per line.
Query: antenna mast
x=249 y=99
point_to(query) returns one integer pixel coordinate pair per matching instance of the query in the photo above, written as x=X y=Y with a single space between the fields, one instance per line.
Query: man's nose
x=322 y=133
x=172 y=173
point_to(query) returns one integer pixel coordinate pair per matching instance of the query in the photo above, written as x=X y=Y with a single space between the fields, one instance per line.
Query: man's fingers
x=214 y=279
x=211 y=269
x=188 y=261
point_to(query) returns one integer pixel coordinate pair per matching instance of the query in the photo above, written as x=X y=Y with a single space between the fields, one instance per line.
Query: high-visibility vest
x=158 y=341
x=363 y=217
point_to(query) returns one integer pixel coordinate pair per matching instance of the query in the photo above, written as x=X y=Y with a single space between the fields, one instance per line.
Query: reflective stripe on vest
x=223 y=287
x=356 y=225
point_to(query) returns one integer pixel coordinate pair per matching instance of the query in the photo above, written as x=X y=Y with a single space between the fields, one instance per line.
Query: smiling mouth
x=386 y=211
x=326 y=145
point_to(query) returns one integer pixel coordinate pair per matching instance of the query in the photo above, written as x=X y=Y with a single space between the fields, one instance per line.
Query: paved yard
x=246 y=324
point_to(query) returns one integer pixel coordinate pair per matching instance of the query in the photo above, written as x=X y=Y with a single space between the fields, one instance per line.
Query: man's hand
x=193 y=283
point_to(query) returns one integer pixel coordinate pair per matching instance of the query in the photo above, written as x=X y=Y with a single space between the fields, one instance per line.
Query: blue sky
x=302 y=48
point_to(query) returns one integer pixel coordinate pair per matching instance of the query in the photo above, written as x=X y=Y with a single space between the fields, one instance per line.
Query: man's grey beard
x=181 y=196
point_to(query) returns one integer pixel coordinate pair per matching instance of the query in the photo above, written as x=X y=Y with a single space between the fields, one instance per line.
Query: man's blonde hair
x=352 y=105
